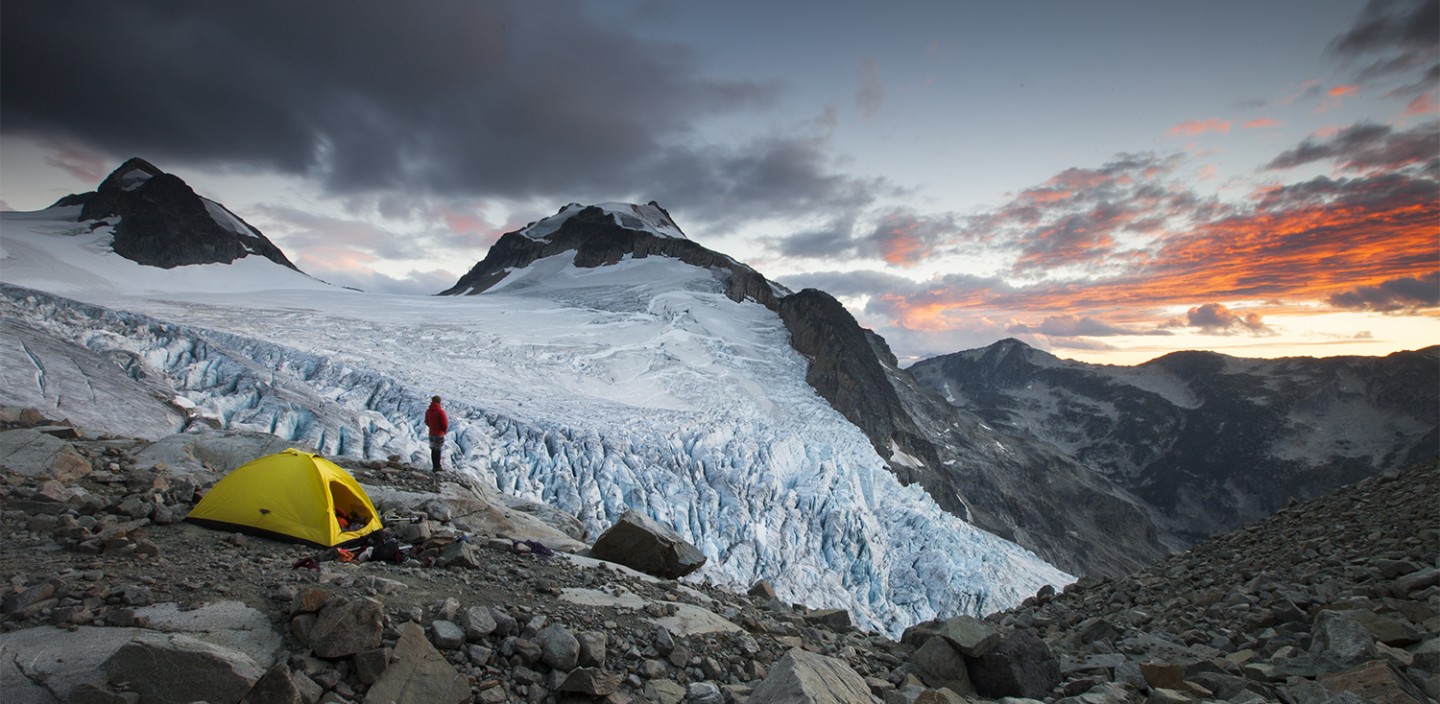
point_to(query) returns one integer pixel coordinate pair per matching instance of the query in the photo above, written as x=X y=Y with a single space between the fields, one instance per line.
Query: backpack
x=384 y=547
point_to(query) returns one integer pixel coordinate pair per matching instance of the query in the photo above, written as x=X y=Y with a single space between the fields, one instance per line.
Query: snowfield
x=593 y=390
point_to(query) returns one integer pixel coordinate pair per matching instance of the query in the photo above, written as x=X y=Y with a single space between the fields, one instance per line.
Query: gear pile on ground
x=110 y=597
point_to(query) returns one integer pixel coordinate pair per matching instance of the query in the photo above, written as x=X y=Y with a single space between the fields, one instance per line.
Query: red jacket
x=436 y=420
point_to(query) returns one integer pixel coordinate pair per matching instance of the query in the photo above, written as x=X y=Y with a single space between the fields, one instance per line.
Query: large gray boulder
x=802 y=677
x=31 y=453
x=346 y=627
x=178 y=669
x=559 y=648
x=44 y=665
x=1339 y=642
x=640 y=543
x=1022 y=665
x=939 y=665
x=418 y=674
x=969 y=635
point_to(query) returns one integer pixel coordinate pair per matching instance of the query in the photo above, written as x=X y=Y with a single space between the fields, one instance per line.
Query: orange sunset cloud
x=1316 y=242
x=1197 y=127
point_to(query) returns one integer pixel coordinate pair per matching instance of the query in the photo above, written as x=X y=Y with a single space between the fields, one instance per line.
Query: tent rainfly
x=293 y=496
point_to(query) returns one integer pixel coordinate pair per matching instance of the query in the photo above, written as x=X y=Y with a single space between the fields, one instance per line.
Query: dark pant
x=436 y=442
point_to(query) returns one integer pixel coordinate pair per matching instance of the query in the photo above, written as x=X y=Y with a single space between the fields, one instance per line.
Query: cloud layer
x=505 y=99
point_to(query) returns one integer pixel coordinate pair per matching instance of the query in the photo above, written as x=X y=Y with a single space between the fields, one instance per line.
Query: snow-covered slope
x=638 y=384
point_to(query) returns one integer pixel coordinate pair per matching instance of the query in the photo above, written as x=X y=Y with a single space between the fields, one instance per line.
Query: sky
x=1109 y=181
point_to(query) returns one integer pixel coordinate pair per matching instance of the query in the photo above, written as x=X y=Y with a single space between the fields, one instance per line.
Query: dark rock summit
x=157 y=220
x=597 y=238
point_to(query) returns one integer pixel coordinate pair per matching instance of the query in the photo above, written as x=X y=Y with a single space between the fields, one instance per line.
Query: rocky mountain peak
x=158 y=220
x=598 y=235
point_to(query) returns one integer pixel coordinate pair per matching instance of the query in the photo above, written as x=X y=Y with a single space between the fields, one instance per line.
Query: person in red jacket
x=439 y=424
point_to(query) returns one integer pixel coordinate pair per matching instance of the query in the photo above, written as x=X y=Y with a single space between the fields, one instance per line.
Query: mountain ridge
x=1208 y=441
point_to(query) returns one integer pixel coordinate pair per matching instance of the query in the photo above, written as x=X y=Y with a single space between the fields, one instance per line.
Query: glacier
x=635 y=385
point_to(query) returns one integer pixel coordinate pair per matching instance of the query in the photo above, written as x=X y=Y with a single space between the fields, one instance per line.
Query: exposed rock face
x=640 y=543
x=802 y=676
x=179 y=669
x=159 y=221
x=1208 y=442
x=419 y=674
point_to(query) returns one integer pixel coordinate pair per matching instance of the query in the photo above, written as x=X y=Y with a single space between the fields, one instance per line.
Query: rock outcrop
x=641 y=543
x=157 y=220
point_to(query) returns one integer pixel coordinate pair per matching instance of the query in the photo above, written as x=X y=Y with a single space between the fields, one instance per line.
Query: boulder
x=229 y=624
x=939 y=664
x=178 y=669
x=1373 y=681
x=663 y=691
x=640 y=543
x=460 y=554
x=46 y=663
x=590 y=681
x=593 y=646
x=969 y=635
x=31 y=453
x=834 y=619
x=704 y=693
x=478 y=623
x=559 y=648
x=801 y=676
x=418 y=674
x=763 y=589
x=447 y=635
x=276 y=686
x=1339 y=642
x=370 y=664
x=346 y=627
x=1022 y=665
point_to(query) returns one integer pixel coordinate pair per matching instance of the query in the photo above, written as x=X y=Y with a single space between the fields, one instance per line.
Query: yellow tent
x=290 y=495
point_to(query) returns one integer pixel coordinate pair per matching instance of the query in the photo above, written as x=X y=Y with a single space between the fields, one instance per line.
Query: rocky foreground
x=109 y=597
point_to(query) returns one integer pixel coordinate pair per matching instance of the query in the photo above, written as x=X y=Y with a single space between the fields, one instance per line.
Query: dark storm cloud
x=833 y=241
x=1408 y=293
x=513 y=99
x=1216 y=318
x=1392 y=37
x=770 y=177
x=847 y=284
x=1367 y=146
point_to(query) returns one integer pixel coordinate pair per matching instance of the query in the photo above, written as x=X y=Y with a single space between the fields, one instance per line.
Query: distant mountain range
x=1096 y=469
x=1208 y=442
